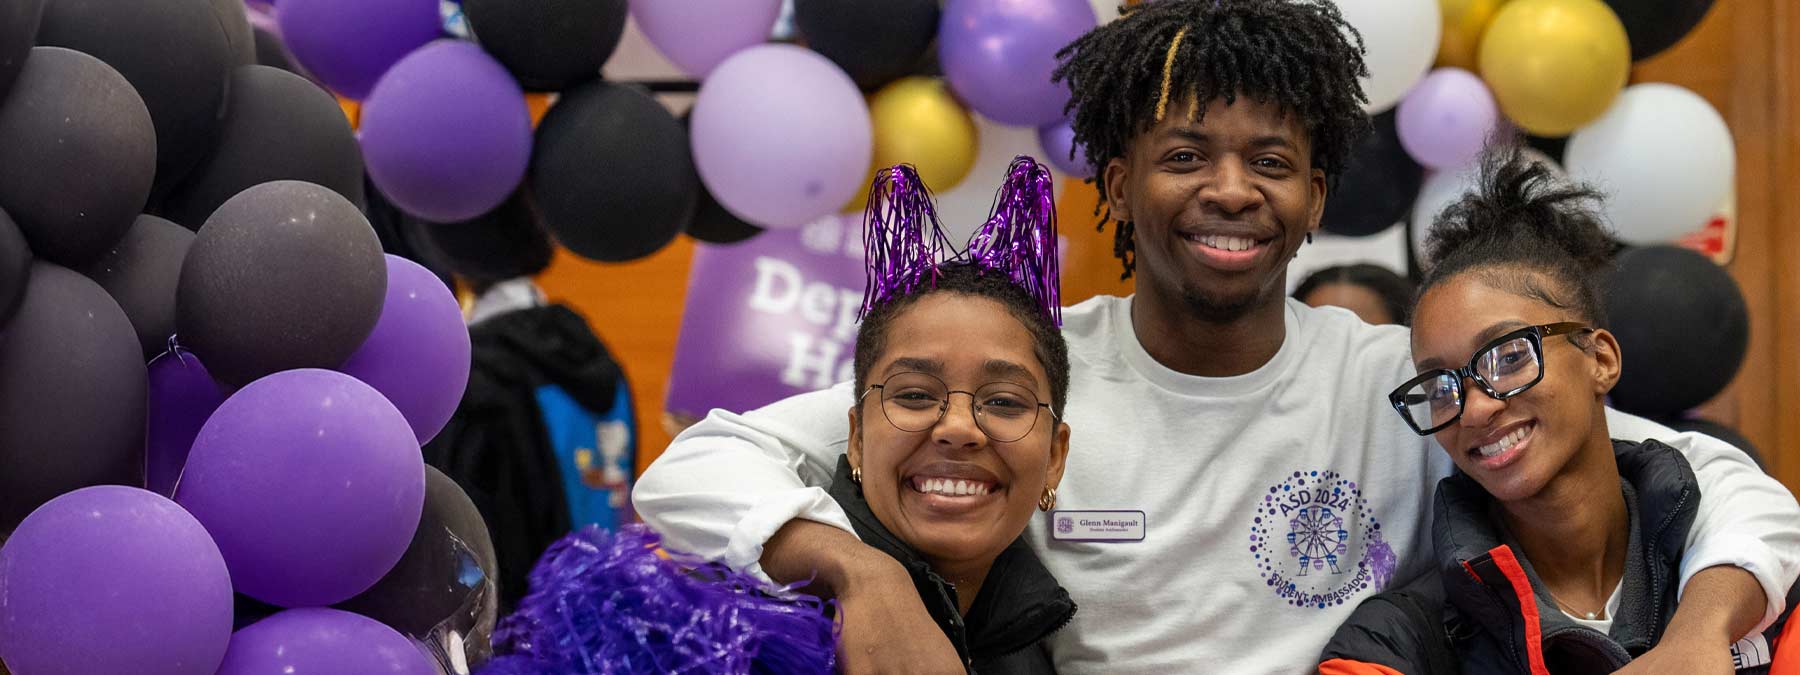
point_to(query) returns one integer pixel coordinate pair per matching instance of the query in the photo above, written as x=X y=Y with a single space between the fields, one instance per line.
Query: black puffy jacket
x=1484 y=611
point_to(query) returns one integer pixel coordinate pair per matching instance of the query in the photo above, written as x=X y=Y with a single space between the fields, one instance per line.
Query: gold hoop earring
x=1048 y=501
x=856 y=475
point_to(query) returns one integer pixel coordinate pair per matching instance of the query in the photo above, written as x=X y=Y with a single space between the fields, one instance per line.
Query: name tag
x=1751 y=652
x=1101 y=526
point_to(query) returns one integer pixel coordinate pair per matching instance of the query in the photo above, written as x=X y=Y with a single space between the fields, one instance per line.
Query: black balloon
x=18 y=32
x=1682 y=325
x=1377 y=187
x=504 y=243
x=271 y=52
x=1723 y=433
x=15 y=268
x=875 y=41
x=176 y=53
x=714 y=224
x=548 y=45
x=611 y=173
x=278 y=126
x=238 y=37
x=141 y=272
x=1655 y=25
x=80 y=152
x=445 y=583
x=284 y=275
x=72 y=384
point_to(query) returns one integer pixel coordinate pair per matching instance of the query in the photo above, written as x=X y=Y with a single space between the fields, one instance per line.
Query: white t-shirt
x=1273 y=502
x=1604 y=623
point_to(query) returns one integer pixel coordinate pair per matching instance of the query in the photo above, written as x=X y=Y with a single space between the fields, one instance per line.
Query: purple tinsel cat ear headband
x=1019 y=238
x=905 y=244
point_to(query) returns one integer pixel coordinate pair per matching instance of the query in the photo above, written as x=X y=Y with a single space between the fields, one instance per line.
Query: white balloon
x=966 y=207
x=1106 y=10
x=1401 y=37
x=1445 y=187
x=1664 y=158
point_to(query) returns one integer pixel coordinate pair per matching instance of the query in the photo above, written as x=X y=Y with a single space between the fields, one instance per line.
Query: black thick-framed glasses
x=1504 y=368
x=914 y=401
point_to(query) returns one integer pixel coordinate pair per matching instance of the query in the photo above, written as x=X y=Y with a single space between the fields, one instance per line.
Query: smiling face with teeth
x=1520 y=447
x=1220 y=199
x=950 y=491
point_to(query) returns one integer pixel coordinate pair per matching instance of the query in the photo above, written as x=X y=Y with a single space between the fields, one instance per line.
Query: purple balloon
x=446 y=135
x=113 y=579
x=698 y=35
x=182 y=396
x=312 y=484
x=1058 y=140
x=418 y=356
x=998 y=55
x=322 y=641
x=781 y=136
x=348 y=44
x=1446 y=119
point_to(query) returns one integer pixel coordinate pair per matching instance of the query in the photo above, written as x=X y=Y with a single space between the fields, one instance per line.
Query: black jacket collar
x=1019 y=605
x=1483 y=575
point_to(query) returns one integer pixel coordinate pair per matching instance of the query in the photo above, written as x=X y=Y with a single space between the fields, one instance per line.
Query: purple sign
x=769 y=317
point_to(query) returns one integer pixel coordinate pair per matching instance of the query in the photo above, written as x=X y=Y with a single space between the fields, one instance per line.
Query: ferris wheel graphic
x=1317 y=537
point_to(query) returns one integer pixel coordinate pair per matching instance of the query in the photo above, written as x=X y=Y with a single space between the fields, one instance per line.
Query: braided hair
x=1299 y=54
x=1522 y=225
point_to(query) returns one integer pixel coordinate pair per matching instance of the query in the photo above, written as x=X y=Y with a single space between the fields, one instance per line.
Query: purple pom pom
x=605 y=602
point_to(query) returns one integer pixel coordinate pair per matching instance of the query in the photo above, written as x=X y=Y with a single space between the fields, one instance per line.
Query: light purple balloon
x=348 y=44
x=113 y=579
x=1057 y=140
x=781 y=136
x=182 y=396
x=418 y=356
x=698 y=35
x=322 y=641
x=998 y=55
x=312 y=484
x=446 y=135
x=1446 y=119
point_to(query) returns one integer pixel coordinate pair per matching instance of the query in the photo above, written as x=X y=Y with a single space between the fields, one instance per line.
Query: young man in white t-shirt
x=1236 y=483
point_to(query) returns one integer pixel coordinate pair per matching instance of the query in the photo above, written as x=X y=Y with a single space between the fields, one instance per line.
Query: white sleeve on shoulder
x=727 y=484
x=1746 y=519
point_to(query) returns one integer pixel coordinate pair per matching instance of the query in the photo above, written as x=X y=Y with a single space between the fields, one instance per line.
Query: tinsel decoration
x=902 y=238
x=606 y=602
x=1019 y=239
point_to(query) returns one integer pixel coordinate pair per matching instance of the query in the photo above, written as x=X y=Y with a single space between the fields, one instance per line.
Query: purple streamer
x=905 y=244
x=604 y=602
x=1019 y=238
x=902 y=238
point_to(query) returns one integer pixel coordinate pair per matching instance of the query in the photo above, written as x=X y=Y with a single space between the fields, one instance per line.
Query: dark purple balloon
x=113 y=579
x=348 y=44
x=321 y=640
x=182 y=396
x=418 y=356
x=1058 y=140
x=446 y=134
x=311 y=483
x=998 y=55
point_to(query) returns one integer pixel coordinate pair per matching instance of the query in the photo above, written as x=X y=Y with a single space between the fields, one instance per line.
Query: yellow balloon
x=918 y=122
x=1555 y=65
x=1464 y=22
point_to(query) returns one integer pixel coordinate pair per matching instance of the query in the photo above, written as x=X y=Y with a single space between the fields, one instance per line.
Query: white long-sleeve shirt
x=1271 y=502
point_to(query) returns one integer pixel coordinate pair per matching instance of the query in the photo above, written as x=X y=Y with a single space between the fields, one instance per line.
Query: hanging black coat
x=496 y=446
